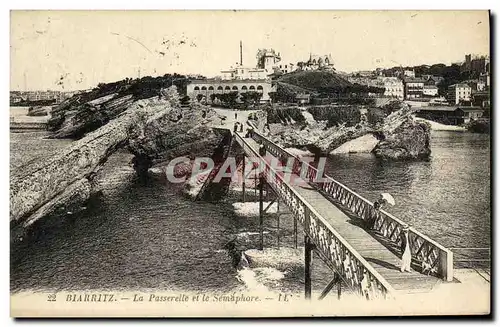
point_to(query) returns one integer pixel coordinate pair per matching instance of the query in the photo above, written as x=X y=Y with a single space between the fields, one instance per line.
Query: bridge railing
x=340 y=254
x=218 y=163
x=425 y=251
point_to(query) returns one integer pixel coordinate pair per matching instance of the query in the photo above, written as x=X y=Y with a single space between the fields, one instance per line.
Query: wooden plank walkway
x=386 y=262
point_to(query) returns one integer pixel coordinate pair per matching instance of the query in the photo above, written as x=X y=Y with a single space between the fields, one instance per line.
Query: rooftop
x=459 y=85
x=437 y=108
x=414 y=80
x=467 y=109
x=449 y=108
x=219 y=80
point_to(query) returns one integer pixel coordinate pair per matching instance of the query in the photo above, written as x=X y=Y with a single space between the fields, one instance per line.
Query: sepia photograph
x=250 y=163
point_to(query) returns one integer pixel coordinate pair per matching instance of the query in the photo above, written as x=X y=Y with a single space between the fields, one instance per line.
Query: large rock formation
x=152 y=129
x=319 y=129
x=403 y=137
x=74 y=118
x=362 y=144
x=391 y=131
x=411 y=140
x=481 y=125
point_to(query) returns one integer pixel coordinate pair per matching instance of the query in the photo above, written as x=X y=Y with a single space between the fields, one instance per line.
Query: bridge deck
x=366 y=244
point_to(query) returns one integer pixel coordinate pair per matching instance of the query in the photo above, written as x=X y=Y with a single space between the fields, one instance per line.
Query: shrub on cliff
x=336 y=115
x=375 y=116
x=284 y=115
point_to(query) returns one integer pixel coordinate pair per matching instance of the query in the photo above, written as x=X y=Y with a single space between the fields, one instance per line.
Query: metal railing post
x=307 y=266
x=261 y=212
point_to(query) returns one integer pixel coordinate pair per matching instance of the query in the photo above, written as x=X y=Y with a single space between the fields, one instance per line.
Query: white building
x=458 y=92
x=409 y=73
x=315 y=62
x=271 y=62
x=285 y=68
x=243 y=73
x=430 y=90
x=414 y=88
x=393 y=87
x=239 y=79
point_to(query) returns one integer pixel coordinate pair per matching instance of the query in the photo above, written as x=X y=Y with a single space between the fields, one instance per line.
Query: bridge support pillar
x=295 y=230
x=335 y=281
x=278 y=226
x=446 y=265
x=261 y=212
x=244 y=178
x=308 y=248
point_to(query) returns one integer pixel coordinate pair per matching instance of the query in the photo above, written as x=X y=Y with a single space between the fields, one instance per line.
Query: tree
x=185 y=100
x=273 y=96
x=232 y=98
x=199 y=97
x=251 y=98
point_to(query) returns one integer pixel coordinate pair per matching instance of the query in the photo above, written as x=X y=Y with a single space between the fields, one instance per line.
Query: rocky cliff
x=154 y=130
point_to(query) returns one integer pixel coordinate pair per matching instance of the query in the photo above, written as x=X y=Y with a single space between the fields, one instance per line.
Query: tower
x=241 y=53
x=267 y=58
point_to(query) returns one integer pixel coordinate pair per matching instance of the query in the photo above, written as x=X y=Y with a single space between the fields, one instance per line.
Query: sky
x=72 y=50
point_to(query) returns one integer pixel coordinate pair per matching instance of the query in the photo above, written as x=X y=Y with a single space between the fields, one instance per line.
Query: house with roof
x=432 y=80
x=414 y=87
x=450 y=115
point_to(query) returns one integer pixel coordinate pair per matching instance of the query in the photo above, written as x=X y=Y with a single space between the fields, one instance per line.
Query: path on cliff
x=230 y=120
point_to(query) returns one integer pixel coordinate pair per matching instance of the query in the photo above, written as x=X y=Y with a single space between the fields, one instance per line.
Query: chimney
x=241 y=53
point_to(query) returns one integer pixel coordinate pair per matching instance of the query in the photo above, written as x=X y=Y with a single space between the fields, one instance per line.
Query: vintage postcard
x=249 y=163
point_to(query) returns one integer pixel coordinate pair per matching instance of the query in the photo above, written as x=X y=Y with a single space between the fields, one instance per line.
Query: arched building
x=239 y=78
x=206 y=87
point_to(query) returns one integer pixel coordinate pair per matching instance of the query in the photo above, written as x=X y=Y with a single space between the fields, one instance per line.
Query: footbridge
x=332 y=218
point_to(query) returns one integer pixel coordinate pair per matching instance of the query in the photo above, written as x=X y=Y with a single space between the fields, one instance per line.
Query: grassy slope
x=314 y=80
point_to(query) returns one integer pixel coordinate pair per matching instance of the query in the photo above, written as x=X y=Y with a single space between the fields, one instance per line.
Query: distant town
x=20 y=98
x=438 y=89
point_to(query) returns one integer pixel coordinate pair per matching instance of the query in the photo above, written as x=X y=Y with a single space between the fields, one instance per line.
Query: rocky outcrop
x=75 y=119
x=481 y=125
x=403 y=138
x=362 y=144
x=315 y=137
x=41 y=185
x=336 y=115
x=151 y=129
x=394 y=134
x=38 y=111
